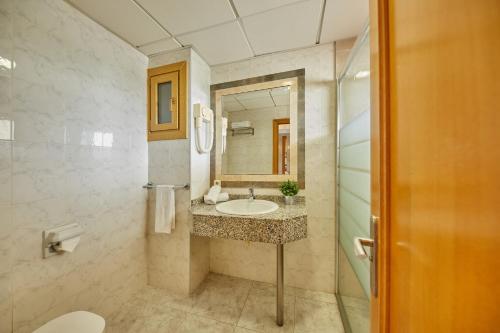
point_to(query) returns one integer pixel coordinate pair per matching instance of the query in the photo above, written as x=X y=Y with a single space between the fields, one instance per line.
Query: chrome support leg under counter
x=280 y=292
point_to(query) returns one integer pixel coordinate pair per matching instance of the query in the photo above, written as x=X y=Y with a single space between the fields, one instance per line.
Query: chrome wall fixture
x=151 y=185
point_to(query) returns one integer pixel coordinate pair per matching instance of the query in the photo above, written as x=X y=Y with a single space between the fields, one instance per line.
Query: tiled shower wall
x=77 y=99
x=309 y=263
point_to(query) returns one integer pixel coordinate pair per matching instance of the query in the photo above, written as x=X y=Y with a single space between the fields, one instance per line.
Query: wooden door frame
x=380 y=122
x=276 y=124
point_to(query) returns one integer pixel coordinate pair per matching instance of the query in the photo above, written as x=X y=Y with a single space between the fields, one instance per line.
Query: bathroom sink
x=246 y=207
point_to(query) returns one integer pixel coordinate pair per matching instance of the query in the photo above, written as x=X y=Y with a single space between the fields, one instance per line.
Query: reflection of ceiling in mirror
x=257 y=99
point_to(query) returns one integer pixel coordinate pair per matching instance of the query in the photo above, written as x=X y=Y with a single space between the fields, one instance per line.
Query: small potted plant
x=289 y=190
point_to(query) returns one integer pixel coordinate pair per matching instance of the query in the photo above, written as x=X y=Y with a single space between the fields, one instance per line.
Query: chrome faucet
x=251 y=192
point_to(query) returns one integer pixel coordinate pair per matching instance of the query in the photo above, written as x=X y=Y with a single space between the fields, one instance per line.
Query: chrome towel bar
x=151 y=185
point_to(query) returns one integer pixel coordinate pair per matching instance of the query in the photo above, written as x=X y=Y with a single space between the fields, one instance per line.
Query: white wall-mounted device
x=224 y=134
x=203 y=115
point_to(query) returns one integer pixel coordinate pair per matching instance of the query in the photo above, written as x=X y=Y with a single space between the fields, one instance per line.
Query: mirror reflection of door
x=281 y=146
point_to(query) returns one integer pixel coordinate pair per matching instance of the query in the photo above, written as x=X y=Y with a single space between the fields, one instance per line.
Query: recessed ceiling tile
x=249 y=7
x=181 y=16
x=159 y=46
x=343 y=19
x=257 y=103
x=281 y=100
x=232 y=106
x=263 y=93
x=280 y=91
x=220 y=44
x=142 y=31
x=284 y=28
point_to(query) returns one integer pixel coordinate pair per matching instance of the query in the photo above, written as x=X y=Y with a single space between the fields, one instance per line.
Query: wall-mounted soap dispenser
x=61 y=239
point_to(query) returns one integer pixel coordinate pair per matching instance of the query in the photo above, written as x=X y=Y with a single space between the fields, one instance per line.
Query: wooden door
x=436 y=164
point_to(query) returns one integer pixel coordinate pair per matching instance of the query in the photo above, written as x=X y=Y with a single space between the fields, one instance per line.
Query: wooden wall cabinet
x=167 y=102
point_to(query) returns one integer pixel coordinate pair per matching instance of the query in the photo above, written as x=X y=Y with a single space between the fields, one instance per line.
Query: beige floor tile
x=243 y=330
x=359 y=319
x=268 y=286
x=356 y=302
x=259 y=313
x=148 y=319
x=221 y=298
x=198 y=324
x=315 y=295
x=316 y=316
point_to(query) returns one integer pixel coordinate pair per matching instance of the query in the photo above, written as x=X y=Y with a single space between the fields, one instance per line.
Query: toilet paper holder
x=53 y=238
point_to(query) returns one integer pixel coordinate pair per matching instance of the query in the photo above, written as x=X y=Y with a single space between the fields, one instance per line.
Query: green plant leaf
x=289 y=188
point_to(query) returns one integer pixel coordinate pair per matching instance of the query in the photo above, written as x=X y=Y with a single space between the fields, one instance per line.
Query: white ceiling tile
x=249 y=7
x=228 y=98
x=284 y=28
x=264 y=93
x=220 y=44
x=159 y=46
x=281 y=100
x=180 y=16
x=257 y=103
x=230 y=106
x=343 y=19
x=280 y=91
x=117 y=15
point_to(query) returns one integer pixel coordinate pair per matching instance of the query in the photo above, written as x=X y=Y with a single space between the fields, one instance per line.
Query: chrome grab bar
x=151 y=185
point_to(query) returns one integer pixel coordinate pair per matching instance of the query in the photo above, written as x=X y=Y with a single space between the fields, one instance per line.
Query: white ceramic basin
x=246 y=207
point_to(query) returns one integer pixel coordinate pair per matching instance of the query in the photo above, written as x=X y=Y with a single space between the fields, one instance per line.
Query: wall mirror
x=259 y=130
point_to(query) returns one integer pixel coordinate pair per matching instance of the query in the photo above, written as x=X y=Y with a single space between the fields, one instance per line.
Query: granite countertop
x=288 y=223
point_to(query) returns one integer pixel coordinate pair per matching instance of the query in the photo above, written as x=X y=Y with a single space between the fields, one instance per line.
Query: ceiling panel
x=159 y=46
x=257 y=103
x=264 y=93
x=281 y=100
x=220 y=44
x=284 y=28
x=246 y=7
x=280 y=91
x=232 y=106
x=343 y=19
x=181 y=16
x=142 y=31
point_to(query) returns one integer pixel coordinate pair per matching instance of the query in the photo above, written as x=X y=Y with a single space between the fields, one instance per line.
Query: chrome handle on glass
x=359 y=247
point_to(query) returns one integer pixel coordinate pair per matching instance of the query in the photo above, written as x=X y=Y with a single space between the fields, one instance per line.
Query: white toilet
x=74 y=322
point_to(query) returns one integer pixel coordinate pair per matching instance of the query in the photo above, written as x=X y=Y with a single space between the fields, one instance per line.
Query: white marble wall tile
x=78 y=100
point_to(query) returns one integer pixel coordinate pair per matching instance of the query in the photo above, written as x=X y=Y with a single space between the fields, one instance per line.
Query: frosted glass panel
x=356 y=130
x=354 y=188
x=164 y=103
x=356 y=182
x=358 y=209
x=356 y=156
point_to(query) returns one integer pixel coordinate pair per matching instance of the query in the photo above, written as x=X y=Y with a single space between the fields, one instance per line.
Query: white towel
x=223 y=196
x=165 y=210
x=241 y=124
x=212 y=195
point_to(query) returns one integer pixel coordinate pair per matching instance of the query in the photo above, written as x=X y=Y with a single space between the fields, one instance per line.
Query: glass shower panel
x=353 y=187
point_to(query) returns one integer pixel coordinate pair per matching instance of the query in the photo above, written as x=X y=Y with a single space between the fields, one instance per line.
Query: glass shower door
x=353 y=187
